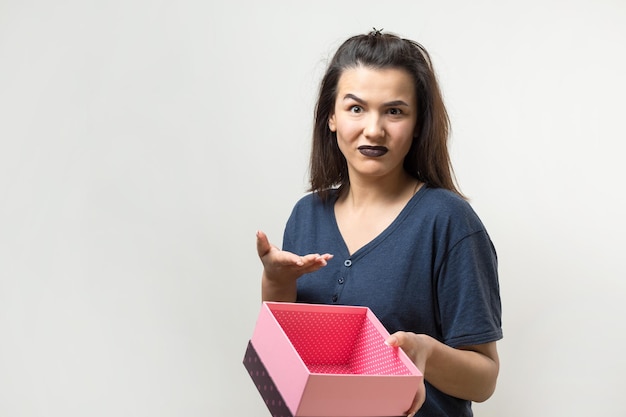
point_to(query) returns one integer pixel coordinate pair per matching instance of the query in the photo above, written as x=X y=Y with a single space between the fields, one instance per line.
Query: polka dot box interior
x=328 y=361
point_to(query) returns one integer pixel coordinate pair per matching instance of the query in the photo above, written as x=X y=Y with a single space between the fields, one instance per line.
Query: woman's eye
x=395 y=111
x=356 y=109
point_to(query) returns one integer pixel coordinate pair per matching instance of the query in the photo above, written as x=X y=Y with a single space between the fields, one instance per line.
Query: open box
x=328 y=361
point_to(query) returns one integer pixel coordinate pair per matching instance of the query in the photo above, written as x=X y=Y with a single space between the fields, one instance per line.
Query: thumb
x=262 y=244
x=397 y=339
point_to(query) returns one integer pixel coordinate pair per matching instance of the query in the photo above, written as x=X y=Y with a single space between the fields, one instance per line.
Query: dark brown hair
x=428 y=159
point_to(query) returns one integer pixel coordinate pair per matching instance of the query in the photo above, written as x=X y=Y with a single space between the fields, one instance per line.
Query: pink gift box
x=314 y=360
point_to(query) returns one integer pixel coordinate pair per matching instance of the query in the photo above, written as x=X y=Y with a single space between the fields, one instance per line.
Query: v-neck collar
x=363 y=250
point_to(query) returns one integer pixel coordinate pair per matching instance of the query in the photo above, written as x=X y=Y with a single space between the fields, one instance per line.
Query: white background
x=142 y=144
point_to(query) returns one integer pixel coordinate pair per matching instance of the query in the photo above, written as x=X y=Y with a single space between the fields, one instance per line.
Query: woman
x=385 y=226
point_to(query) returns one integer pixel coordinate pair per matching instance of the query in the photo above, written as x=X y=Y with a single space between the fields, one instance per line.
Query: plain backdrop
x=143 y=143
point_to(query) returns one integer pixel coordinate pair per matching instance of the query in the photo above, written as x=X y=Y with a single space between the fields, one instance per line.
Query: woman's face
x=374 y=117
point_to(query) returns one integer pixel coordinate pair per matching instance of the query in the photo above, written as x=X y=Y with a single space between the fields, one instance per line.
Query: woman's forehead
x=376 y=82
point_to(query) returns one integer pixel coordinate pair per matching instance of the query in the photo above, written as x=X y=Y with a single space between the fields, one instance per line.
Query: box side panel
x=371 y=356
x=321 y=334
x=321 y=337
x=281 y=360
x=318 y=308
x=401 y=356
x=264 y=384
x=358 y=396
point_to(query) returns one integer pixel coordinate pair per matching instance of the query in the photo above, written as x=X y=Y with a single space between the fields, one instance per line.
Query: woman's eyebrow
x=353 y=97
x=397 y=103
x=388 y=104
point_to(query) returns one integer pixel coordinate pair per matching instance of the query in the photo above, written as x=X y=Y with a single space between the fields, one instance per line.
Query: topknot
x=376 y=32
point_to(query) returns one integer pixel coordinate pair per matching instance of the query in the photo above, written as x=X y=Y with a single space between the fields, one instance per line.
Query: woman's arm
x=281 y=269
x=469 y=372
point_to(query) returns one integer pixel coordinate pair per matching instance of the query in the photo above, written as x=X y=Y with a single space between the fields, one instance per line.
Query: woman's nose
x=374 y=127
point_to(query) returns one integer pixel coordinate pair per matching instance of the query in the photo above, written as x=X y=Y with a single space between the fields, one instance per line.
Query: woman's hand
x=417 y=349
x=281 y=269
x=468 y=372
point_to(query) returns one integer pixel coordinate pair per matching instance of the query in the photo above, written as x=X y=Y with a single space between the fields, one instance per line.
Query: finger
x=308 y=262
x=323 y=259
x=310 y=258
x=418 y=401
x=284 y=258
x=262 y=244
x=315 y=260
x=398 y=339
x=288 y=259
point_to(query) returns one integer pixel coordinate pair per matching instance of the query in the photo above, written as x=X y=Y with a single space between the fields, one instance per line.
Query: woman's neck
x=365 y=209
x=363 y=192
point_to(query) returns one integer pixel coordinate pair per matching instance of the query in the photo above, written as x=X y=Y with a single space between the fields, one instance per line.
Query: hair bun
x=376 y=32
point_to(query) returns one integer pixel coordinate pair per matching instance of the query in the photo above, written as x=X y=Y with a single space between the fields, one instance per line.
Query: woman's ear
x=331 y=123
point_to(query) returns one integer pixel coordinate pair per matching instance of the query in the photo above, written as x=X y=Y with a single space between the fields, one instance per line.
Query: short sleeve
x=468 y=293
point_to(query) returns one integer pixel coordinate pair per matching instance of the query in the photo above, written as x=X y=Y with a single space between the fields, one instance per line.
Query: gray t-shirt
x=432 y=271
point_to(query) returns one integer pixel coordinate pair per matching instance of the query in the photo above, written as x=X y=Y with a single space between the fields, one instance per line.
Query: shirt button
x=335 y=298
x=340 y=280
x=347 y=262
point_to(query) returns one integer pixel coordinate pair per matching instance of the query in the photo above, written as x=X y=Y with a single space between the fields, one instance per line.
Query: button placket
x=341 y=280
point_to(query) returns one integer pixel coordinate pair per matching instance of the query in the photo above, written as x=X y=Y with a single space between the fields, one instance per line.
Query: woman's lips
x=372 y=151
